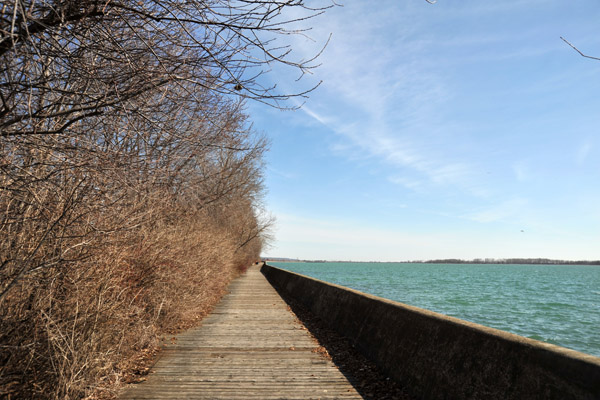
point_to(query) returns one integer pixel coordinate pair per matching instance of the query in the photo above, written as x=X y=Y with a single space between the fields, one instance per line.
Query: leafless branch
x=577 y=50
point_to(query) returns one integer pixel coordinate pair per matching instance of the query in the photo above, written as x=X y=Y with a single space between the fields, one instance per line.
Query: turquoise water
x=553 y=303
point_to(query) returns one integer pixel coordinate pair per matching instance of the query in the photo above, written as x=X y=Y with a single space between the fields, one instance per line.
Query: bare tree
x=65 y=61
x=125 y=158
x=91 y=88
x=116 y=223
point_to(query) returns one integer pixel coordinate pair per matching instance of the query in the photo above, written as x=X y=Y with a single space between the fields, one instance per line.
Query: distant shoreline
x=507 y=261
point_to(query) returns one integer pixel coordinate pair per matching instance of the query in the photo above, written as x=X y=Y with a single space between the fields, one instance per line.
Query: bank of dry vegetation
x=104 y=249
x=130 y=178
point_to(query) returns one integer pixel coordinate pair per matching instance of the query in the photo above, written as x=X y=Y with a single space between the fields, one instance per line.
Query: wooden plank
x=250 y=347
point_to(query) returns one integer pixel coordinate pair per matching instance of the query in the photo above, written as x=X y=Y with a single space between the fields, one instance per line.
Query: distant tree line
x=452 y=261
x=131 y=180
x=510 y=261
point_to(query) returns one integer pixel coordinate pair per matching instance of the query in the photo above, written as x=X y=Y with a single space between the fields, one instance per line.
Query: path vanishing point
x=250 y=347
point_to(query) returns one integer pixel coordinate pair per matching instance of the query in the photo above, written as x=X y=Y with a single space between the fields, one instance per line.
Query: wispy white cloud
x=510 y=211
x=466 y=118
x=283 y=174
x=582 y=153
x=522 y=171
x=313 y=238
x=316 y=116
x=412 y=184
x=380 y=108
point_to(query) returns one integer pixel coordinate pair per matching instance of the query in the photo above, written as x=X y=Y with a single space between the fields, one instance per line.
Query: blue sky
x=463 y=129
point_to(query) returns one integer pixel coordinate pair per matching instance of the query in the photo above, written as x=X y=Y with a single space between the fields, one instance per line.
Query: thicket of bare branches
x=62 y=61
x=114 y=237
x=130 y=178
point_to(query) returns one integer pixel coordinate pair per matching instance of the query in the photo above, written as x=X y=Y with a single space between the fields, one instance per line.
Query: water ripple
x=553 y=303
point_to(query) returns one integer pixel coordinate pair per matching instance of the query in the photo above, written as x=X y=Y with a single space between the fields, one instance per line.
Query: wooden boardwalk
x=250 y=347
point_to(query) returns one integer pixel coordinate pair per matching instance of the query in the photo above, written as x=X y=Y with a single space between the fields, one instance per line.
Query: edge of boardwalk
x=250 y=346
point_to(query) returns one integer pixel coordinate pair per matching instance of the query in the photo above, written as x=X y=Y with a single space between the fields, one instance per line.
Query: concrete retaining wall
x=440 y=357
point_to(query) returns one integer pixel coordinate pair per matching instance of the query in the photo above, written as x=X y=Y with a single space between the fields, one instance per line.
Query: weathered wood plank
x=251 y=346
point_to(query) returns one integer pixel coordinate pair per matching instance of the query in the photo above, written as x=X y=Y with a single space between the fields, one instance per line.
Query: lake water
x=553 y=303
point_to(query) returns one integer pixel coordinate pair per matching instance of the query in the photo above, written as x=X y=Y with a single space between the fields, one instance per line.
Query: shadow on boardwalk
x=369 y=381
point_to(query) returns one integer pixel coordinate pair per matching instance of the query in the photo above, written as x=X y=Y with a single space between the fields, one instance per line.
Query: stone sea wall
x=441 y=357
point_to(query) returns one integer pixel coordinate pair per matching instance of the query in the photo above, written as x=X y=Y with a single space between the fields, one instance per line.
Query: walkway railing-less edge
x=440 y=357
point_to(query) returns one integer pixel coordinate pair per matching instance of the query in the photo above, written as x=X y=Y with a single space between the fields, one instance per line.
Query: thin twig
x=577 y=50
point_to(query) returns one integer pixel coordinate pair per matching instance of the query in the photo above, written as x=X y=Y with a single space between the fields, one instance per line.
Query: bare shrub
x=130 y=180
x=110 y=241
